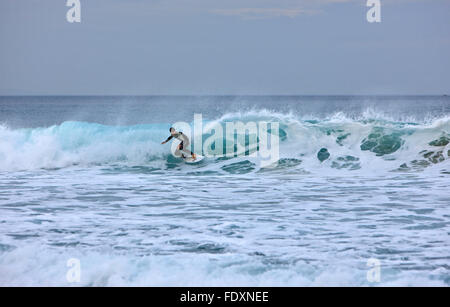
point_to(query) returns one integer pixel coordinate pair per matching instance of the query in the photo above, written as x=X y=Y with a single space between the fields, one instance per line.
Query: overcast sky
x=175 y=47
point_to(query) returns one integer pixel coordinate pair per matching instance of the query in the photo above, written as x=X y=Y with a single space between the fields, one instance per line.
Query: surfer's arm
x=168 y=139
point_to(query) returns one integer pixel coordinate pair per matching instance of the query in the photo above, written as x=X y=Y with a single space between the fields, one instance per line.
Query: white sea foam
x=112 y=197
x=32 y=266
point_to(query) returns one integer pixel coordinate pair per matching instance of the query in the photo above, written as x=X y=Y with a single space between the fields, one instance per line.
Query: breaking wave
x=370 y=142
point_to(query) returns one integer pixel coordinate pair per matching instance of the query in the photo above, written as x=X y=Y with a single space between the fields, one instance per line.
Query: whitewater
x=358 y=178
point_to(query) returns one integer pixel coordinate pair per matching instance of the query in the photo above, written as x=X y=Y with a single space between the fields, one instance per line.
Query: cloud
x=257 y=13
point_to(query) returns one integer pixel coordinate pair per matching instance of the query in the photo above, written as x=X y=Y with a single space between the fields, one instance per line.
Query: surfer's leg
x=178 y=152
x=187 y=153
x=184 y=149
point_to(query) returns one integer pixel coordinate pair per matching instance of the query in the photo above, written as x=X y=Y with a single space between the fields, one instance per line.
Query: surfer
x=182 y=147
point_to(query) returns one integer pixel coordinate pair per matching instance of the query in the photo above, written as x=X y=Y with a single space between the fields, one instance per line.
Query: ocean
x=360 y=194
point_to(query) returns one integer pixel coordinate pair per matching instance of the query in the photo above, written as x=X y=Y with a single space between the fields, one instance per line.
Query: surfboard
x=189 y=160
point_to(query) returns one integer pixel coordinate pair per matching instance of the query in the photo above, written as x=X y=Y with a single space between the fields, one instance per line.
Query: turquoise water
x=358 y=178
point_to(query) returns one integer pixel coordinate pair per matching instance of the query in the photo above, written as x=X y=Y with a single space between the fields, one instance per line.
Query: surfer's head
x=172 y=130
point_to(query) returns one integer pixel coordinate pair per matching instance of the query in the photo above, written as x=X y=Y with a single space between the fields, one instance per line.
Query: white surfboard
x=189 y=160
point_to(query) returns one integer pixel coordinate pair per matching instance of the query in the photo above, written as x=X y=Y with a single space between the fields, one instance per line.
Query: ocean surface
x=358 y=178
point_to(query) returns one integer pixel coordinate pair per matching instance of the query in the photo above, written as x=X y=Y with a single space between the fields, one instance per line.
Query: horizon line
x=219 y=95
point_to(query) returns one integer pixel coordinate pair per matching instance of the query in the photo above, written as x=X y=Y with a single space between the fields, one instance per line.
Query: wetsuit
x=184 y=143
